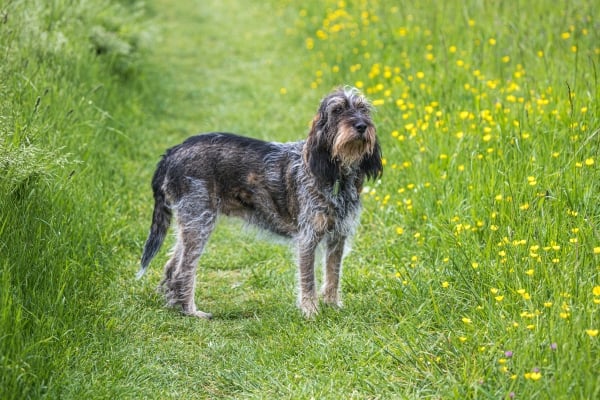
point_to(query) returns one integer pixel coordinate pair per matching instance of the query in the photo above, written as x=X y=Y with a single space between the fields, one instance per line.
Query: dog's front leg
x=333 y=270
x=307 y=295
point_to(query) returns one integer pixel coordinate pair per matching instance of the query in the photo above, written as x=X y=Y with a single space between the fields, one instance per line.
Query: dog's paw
x=199 y=314
x=333 y=301
x=331 y=297
x=309 y=307
x=190 y=310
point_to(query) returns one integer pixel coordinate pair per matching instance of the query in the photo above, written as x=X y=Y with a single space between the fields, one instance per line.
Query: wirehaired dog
x=307 y=191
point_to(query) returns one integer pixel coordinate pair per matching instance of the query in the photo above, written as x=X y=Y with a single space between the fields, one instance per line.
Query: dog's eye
x=363 y=108
x=337 y=110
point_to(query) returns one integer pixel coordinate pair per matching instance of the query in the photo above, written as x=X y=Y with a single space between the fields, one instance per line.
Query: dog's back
x=239 y=176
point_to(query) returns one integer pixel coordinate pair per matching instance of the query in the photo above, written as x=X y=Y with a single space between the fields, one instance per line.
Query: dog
x=308 y=191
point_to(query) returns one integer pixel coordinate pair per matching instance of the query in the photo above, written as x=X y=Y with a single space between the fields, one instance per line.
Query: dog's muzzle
x=361 y=127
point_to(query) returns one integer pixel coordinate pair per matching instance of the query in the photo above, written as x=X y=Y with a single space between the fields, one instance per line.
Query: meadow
x=475 y=272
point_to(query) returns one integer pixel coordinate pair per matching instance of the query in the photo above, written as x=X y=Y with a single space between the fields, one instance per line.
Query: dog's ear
x=318 y=153
x=321 y=166
x=372 y=165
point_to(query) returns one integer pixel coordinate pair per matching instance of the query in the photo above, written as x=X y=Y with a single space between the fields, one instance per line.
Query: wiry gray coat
x=307 y=191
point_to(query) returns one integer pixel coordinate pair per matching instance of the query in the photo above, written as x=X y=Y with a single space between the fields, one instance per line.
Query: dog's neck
x=345 y=174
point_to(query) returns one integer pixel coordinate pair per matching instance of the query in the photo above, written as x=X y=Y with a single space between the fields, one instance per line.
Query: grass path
x=224 y=67
x=226 y=62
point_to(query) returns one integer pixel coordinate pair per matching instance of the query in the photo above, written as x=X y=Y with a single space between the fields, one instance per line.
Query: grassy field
x=475 y=272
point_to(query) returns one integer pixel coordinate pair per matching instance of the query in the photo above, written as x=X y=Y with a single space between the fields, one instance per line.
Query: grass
x=475 y=271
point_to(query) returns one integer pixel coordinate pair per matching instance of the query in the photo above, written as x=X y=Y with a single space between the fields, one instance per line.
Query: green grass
x=475 y=272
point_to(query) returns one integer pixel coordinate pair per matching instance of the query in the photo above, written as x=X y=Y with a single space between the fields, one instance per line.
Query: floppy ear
x=318 y=153
x=371 y=165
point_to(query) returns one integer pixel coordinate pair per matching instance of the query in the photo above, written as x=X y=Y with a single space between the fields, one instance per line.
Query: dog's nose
x=360 y=127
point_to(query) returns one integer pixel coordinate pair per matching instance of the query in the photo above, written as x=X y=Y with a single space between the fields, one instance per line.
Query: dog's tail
x=161 y=219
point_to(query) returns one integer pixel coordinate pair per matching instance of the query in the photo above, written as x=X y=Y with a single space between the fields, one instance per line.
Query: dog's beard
x=350 y=146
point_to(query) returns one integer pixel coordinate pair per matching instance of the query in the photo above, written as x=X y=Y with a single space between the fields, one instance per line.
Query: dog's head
x=343 y=137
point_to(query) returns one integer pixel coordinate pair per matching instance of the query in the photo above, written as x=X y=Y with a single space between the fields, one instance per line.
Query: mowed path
x=226 y=61
x=222 y=64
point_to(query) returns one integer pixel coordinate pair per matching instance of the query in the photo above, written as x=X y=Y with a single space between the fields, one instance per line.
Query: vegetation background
x=475 y=272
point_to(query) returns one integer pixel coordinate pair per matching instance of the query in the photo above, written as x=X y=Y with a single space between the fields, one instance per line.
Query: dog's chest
x=333 y=210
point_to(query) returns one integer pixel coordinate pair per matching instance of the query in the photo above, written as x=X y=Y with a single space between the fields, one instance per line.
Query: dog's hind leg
x=171 y=265
x=193 y=237
x=196 y=222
